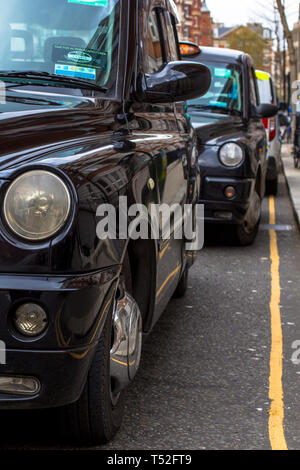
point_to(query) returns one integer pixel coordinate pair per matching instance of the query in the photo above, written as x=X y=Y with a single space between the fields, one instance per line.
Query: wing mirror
x=265 y=110
x=176 y=81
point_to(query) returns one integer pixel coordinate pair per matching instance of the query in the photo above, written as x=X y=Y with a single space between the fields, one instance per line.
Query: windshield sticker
x=75 y=72
x=96 y=3
x=224 y=73
x=219 y=104
x=81 y=57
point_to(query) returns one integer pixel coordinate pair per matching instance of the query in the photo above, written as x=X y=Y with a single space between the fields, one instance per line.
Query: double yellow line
x=276 y=417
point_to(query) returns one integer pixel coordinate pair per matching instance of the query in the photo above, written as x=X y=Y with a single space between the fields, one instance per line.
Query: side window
x=173 y=47
x=154 y=50
x=253 y=88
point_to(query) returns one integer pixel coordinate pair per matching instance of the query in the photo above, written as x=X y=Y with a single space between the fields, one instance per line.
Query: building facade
x=296 y=39
x=222 y=34
x=196 y=24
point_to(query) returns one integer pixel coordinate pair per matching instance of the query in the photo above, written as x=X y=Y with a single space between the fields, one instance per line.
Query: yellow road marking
x=276 y=418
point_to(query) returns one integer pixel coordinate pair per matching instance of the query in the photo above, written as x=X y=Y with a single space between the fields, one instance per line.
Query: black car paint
x=214 y=131
x=102 y=149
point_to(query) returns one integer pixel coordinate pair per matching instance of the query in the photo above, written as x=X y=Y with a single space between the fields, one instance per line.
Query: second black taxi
x=233 y=145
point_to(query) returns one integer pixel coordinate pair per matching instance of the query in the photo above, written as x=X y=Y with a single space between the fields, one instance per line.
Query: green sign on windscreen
x=95 y=3
x=222 y=73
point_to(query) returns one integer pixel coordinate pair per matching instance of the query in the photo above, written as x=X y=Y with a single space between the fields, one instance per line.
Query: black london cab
x=93 y=112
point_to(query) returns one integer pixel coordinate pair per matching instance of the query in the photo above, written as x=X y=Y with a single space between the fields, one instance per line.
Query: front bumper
x=62 y=375
x=60 y=359
x=218 y=208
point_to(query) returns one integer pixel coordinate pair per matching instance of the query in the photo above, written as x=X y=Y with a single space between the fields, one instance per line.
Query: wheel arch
x=142 y=256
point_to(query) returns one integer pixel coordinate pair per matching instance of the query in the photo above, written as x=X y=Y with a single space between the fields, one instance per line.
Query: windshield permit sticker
x=222 y=72
x=75 y=72
x=67 y=55
x=96 y=3
x=219 y=104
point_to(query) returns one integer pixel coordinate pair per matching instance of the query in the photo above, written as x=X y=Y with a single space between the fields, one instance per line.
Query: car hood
x=215 y=129
x=34 y=124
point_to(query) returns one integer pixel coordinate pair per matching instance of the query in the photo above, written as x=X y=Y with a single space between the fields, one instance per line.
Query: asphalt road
x=204 y=377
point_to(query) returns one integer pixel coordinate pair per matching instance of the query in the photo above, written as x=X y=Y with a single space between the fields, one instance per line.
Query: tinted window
x=253 y=92
x=172 y=37
x=154 y=53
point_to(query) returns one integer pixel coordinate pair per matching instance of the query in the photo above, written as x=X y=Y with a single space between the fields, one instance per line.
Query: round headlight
x=37 y=205
x=231 y=154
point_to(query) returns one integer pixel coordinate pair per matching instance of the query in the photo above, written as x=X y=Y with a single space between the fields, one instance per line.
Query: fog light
x=230 y=192
x=19 y=385
x=31 y=319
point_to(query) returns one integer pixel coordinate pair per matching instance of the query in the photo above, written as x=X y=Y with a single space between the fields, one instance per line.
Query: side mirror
x=265 y=110
x=177 y=81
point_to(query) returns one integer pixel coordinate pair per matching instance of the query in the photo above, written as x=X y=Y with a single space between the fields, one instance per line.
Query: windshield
x=265 y=92
x=61 y=39
x=225 y=93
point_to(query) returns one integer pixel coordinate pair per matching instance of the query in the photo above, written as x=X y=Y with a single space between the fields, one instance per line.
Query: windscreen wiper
x=54 y=80
x=206 y=106
x=220 y=109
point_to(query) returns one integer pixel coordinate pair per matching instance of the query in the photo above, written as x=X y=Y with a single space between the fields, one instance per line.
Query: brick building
x=196 y=22
x=222 y=34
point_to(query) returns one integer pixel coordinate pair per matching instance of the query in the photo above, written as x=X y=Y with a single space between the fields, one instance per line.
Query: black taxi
x=92 y=114
x=233 y=155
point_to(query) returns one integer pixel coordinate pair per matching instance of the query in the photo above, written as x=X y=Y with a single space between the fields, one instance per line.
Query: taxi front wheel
x=97 y=416
x=245 y=234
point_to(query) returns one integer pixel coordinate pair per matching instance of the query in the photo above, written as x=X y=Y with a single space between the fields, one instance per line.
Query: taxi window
x=154 y=57
x=172 y=37
x=253 y=89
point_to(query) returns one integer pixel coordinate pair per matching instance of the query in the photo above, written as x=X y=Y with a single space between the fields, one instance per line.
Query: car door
x=257 y=134
x=155 y=131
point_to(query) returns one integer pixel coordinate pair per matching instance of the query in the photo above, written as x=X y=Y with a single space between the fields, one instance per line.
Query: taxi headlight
x=231 y=154
x=37 y=205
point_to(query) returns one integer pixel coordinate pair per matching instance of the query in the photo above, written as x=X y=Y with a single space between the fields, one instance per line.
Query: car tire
x=245 y=234
x=242 y=237
x=93 y=419
x=97 y=416
x=272 y=187
x=182 y=285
